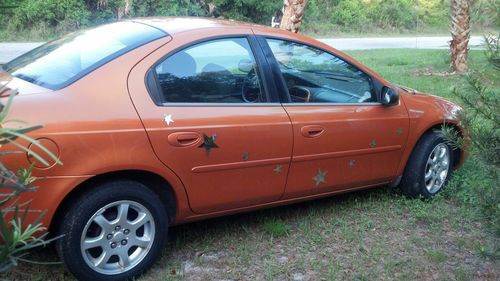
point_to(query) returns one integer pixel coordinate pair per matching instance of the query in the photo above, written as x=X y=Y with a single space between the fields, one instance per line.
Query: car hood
x=419 y=102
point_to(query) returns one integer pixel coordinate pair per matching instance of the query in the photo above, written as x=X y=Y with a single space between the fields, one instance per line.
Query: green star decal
x=208 y=143
x=399 y=131
x=373 y=143
x=320 y=177
x=245 y=156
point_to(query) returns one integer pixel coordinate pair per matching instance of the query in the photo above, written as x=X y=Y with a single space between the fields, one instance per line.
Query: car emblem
x=352 y=162
x=320 y=177
x=168 y=119
x=208 y=143
x=399 y=131
x=373 y=143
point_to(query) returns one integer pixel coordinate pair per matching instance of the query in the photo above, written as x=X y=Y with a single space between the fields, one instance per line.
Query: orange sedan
x=162 y=121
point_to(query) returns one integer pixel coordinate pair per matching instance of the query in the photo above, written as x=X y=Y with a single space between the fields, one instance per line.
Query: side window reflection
x=217 y=71
x=313 y=75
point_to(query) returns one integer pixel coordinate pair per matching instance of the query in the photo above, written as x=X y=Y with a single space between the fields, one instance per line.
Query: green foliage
x=276 y=228
x=17 y=237
x=350 y=14
x=486 y=13
x=393 y=14
x=248 y=10
x=64 y=14
x=433 y=12
x=47 y=18
x=481 y=100
x=167 y=8
x=493 y=51
x=104 y=13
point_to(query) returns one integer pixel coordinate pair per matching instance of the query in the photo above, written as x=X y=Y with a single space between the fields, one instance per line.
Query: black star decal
x=208 y=143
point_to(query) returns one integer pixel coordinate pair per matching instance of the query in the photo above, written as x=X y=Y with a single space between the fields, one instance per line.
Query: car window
x=217 y=71
x=313 y=75
x=58 y=63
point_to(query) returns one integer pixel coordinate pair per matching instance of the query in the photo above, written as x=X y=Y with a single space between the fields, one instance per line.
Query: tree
x=460 y=33
x=293 y=12
x=124 y=10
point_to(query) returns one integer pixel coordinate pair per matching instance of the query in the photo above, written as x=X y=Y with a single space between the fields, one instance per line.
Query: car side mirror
x=389 y=96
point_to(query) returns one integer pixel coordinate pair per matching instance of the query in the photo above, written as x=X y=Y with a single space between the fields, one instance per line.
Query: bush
x=393 y=14
x=143 y=8
x=350 y=14
x=481 y=101
x=485 y=13
x=433 y=13
x=248 y=10
x=63 y=14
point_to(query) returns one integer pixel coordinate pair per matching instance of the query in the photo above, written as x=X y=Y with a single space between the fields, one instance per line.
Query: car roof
x=173 y=25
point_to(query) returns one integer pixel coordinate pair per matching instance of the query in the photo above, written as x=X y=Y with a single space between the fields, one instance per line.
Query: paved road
x=9 y=51
x=441 y=42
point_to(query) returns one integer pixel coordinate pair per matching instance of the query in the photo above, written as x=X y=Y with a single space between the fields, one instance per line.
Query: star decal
x=168 y=119
x=320 y=177
x=352 y=162
x=373 y=143
x=245 y=156
x=208 y=143
x=278 y=169
x=399 y=131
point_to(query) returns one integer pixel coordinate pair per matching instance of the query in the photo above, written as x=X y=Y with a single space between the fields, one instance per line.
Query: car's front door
x=343 y=137
x=212 y=121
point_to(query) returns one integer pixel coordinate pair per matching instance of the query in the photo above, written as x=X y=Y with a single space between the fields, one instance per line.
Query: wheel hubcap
x=117 y=237
x=437 y=167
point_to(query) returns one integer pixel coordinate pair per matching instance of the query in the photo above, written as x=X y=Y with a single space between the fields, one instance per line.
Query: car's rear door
x=343 y=136
x=213 y=119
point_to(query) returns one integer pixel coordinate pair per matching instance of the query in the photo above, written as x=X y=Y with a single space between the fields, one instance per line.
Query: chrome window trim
x=220 y=104
x=262 y=104
x=331 y=103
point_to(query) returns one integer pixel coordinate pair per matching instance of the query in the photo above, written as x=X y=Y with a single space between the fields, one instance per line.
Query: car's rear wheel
x=429 y=167
x=114 y=232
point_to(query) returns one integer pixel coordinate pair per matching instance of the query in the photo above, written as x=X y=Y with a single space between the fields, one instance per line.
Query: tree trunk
x=125 y=10
x=460 y=33
x=293 y=11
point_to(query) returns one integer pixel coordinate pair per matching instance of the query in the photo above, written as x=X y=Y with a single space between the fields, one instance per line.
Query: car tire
x=429 y=167
x=116 y=231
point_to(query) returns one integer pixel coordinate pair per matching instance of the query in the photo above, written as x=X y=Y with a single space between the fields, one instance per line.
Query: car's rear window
x=59 y=63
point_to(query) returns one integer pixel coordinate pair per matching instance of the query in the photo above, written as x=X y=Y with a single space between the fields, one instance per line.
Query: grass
x=276 y=228
x=370 y=235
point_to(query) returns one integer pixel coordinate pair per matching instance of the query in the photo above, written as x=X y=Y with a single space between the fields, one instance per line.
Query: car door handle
x=312 y=131
x=182 y=139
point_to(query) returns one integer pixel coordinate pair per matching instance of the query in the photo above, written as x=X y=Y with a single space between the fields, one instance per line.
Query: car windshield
x=61 y=62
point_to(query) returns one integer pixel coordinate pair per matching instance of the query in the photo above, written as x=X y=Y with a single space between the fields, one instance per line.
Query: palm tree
x=293 y=11
x=460 y=33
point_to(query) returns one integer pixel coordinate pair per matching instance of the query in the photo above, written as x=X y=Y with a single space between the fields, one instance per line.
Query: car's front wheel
x=114 y=232
x=429 y=166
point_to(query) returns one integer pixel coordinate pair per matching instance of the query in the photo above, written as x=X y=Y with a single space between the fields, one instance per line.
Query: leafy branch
x=18 y=237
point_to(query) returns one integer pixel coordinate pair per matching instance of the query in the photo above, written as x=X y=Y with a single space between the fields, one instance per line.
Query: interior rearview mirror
x=389 y=96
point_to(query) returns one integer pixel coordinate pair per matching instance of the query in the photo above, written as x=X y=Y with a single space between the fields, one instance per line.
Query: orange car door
x=212 y=118
x=343 y=137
